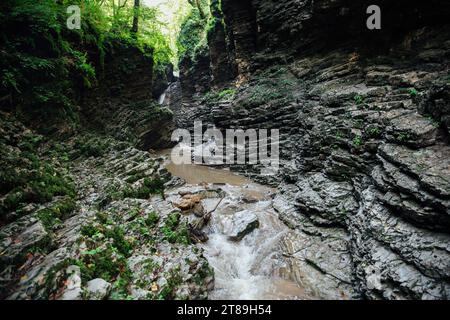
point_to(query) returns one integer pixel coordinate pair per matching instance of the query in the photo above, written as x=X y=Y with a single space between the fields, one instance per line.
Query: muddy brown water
x=252 y=268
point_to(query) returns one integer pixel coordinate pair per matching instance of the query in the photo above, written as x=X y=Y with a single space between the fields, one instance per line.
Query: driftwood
x=195 y=229
x=196 y=235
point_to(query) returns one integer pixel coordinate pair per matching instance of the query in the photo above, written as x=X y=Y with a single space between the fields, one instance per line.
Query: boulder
x=73 y=289
x=242 y=223
x=98 y=289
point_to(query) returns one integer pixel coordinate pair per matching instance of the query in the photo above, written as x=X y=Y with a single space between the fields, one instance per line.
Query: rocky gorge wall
x=82 y=210
x=364 y=124
x=124 y=101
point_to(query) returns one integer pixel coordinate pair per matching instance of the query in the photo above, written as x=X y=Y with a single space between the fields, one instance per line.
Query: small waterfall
x=250 y=268
x=162 y=97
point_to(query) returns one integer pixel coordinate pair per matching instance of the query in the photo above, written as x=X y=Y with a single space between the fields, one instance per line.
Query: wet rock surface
x=120 y=239
x=364 y=147
x=363 y=185
x=242 y=224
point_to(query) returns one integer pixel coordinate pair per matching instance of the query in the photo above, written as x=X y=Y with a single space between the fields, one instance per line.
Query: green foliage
x=40 y=66
x=174 y=279
x=115 y=233
x=45 y=66
x=357 y=141
x=52 y=216
x=433 y=122
x=89 y=230
x=25 y=178
x=152 y=219
x=124 y=246
x=358 y=99
x=151 y=266
x=413 y=92
x=172 y=220
x=403 y=136
x=373 y=131
x=192 y=38
x=105 y=263
x=203 y=272
x=173 y=231
x=273 y=86
x=270 y=91
x=227 y=94
x=90 y=146
x=148 y=187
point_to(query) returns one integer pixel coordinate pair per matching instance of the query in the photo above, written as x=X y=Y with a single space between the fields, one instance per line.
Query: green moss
x=373 y=132
x=135 y=177
x=89 y=230
x=262 y=94
x=124 y=246
x=403 y=136
x=413 y=92
x=358 y=99
x=50 y=278
x=102 y=217
x=52 y=216
x=174 y=232
x=217 y=96
x=116 y=233
x=119 y=290
x=148 y=187
x=152 y=219
x=102 y=263
x=150 y=266
x=357 y=141
x=203 y=272
x=174 y=279
x=28 y=179
x=91 y=146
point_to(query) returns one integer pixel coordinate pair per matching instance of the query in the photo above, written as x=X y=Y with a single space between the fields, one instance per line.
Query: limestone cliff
x=364 y=123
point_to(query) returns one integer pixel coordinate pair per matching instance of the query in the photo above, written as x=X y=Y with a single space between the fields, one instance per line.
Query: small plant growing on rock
x=403 y=137
x=227 y=94
x=373 y=132
x=173 y=231
x=359 y=99
x=434 y=123
x=102 y=263
x=413 y=92
x=124 y=246
x=174 y=279
x=52 y=216
x=152 y=219
x=357 y=141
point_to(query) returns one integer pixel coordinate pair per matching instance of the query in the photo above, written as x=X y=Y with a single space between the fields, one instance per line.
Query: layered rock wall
x=363 y=119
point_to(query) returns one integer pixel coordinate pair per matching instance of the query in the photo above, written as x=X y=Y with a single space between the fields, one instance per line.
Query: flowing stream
x=252 y=268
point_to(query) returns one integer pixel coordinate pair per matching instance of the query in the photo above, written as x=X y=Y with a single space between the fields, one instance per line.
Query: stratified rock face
x=437 y=103
x=249 y=34
x=364 y=123
x=195 y=75
x=90 y=221
x=124 y=103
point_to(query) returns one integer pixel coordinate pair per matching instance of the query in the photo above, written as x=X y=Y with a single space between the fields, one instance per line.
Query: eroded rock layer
x=363 y=119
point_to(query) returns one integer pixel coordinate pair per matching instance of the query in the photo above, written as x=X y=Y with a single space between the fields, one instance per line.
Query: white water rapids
x=252 y=268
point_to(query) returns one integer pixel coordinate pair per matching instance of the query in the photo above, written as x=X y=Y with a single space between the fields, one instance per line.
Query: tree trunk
x=199 y=7
x=135 y=27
